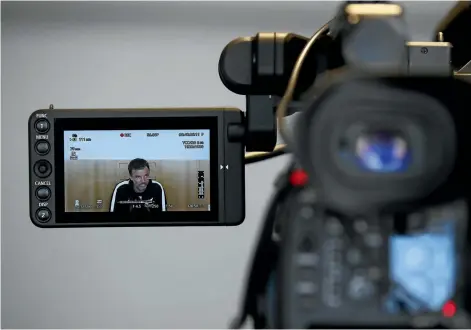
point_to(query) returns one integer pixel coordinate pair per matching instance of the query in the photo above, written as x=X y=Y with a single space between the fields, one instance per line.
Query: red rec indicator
x=298 y=178
x=122 y=134
x=449 y=309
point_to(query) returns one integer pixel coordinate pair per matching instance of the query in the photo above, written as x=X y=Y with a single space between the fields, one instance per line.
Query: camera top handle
x=260 y=67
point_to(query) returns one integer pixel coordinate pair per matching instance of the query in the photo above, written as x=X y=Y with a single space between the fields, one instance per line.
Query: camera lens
x=382 y=152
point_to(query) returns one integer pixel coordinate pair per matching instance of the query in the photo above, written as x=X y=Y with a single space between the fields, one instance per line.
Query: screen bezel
x=150 y=123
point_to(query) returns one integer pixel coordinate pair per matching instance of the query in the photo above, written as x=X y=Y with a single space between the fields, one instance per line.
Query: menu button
x=42 y=147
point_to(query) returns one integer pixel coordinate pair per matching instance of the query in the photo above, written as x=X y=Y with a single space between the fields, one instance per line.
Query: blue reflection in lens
x=382 y=152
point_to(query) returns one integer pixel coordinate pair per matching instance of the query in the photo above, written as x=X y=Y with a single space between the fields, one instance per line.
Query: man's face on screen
x=140 y=178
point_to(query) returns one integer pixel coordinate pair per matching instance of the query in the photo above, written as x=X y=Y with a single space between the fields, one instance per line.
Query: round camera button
x=42 y=147
x=42 y=126
x=43 y=214
x=43 y=193
x=42 y=168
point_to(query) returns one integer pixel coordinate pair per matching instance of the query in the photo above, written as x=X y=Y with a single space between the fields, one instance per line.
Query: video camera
x=369 y=223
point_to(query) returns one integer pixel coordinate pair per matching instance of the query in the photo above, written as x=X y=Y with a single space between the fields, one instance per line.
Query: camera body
x=385 y=245
x=406 y=221
x=379 y=233
x=369 y=228
x=396 y=271
x=79 y=166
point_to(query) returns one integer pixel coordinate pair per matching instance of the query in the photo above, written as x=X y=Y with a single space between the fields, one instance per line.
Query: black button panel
x=41 y=162
x=43 y=168
x=335 y=269
x=338 y=264
x=43 y=214
x=42 y=147
x=306 y=258
x=43 y=193
x=42 y=126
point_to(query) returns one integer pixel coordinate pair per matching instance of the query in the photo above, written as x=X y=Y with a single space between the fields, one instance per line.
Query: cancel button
x=43 y=193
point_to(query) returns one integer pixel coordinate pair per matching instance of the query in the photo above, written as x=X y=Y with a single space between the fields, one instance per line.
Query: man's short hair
x=137 y=164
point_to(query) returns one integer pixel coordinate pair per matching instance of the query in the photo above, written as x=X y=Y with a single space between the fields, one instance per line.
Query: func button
x=42 y=168
x=42 y=147
x=43 y=214
x=43 y=193
x=41 y=126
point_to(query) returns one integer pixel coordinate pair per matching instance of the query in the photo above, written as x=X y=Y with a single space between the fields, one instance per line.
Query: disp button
x=43 y=214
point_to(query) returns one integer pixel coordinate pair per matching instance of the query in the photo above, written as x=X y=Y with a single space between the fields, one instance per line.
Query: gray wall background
x=119 y=54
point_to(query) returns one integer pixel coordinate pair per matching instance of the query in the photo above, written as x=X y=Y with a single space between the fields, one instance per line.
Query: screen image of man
x=139 y=194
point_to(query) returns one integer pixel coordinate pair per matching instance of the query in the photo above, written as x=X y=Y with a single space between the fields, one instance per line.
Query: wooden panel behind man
x=91 y=180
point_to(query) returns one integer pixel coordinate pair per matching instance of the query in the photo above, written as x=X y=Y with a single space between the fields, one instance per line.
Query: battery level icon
x=209 y=207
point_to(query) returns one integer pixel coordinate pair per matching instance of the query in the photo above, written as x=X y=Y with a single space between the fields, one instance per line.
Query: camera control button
x=42 y=147
x=42 y=126
x=43 y=215
x=42 y=168
x=306 y=245
x=43 y=193
x=307 y=259
x=373 y=240
x=306 y=288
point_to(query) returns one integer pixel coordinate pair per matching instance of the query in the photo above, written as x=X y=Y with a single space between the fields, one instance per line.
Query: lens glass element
x=382 y=152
